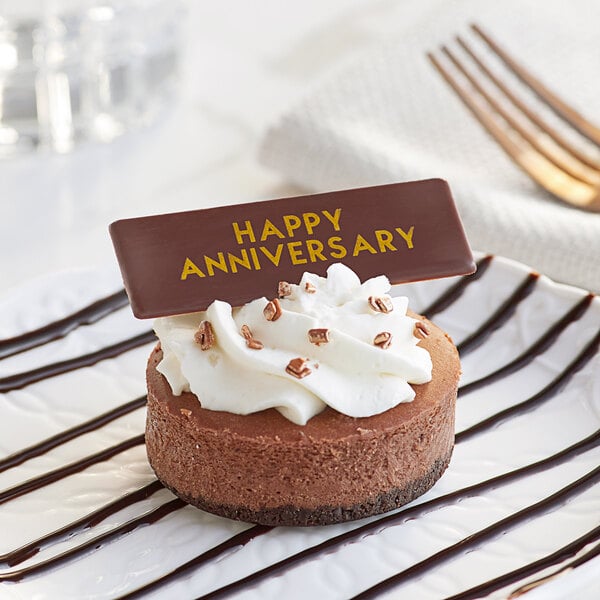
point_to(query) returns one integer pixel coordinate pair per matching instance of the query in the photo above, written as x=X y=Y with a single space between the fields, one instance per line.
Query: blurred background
x=121 y=108
x=117 y=108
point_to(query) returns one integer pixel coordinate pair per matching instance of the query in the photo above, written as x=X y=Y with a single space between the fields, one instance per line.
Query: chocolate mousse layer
x=263 y=468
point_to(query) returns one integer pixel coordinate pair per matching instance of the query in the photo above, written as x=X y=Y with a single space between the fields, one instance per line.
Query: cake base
x=262 y=468
x=322 y=515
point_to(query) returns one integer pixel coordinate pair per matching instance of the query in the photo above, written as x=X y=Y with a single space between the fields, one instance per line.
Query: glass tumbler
x=76 y=70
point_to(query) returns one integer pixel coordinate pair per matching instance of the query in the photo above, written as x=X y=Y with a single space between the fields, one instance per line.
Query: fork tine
x=552 y=152
x=562 y=109
x=539 y=168
x=531 y=115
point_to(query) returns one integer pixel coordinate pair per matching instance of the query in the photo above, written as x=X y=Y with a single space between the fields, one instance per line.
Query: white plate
x=47 y=407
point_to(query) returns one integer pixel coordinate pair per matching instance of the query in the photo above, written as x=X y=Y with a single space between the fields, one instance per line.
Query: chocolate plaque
x=179 y=263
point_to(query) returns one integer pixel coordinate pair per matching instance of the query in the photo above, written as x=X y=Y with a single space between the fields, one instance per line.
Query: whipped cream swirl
x=359 y=361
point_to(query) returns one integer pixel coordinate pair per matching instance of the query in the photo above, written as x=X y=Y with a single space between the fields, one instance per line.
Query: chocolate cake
x=263 y=468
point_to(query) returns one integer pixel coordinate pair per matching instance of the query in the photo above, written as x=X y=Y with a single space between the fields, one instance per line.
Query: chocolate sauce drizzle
x=58 y=329
x=557 y=384
x=68 y=531
x=491 y=532
x=69 y=434
x=499 y=317
x=235 y=542
x=99 y=309
x=20 y=380
x=455 y=291
x=95 y=543
x=542 y=344
x=534 y=567
x=36 y=483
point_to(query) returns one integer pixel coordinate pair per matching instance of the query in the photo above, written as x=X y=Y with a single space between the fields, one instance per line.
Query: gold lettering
x=211 y=264
x=334 y=218
x=291 y=222
x=311 y=220
x=339 y=250
x=384 y=239
x=239 y=233
x=234 y=260
x=189 y=268
x=407 y=236
x=270 y=229
x=315 y=250
x=255 y=260
x=361 y=244
x=274 y=258
x=296 y=253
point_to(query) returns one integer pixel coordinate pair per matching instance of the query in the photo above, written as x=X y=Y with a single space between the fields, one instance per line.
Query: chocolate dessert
x=324 y=468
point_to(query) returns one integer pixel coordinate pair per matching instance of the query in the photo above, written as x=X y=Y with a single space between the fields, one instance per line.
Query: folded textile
x=390 y=117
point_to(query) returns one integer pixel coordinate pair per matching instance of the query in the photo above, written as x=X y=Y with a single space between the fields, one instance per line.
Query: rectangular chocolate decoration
x=179 y=263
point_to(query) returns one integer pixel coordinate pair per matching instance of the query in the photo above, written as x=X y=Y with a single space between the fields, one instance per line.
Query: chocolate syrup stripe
x=90 y=520
x=69 y=434
x=233 y=543
x=487 y=534
x=58 y=329
x=586 y=557
x=397 y=518
x=51 y=476
x=454 y=292
x=499 y=317
x=94 y=544
x=555 y=386
x=20 y=380
x=535 y=567
x=537 y=348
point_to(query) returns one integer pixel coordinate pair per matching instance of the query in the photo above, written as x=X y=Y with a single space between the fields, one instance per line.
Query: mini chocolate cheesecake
x=263 y=468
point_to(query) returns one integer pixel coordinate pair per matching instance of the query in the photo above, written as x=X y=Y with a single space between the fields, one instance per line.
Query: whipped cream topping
x=329 y=341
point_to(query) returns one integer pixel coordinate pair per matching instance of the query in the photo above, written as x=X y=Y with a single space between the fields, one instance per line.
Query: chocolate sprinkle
x=382 y=304
x=205 y=336
x=298 y=368
x=318 y=336
x=421 y=330
x=383 y=340
x=272 y=310
x=284 y=289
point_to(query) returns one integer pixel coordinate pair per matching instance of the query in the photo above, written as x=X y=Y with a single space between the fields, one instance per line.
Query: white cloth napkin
x=390 y=117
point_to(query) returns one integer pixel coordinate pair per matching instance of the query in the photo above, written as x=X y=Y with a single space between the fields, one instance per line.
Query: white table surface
x=244 y=64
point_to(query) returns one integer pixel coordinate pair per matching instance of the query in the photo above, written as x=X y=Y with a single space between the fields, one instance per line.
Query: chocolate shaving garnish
x=250 y=341
x=186 y=412
x=309 y=288
x=383 y=340
x=284 y=289
x=421 y=330
x=205 y=336
x=318 y=336
x=382 y=304
x=297 y=367
x=272 y=310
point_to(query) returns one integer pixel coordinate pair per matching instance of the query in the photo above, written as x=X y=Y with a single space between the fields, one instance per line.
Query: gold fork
x=545 y=154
